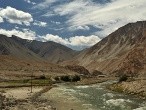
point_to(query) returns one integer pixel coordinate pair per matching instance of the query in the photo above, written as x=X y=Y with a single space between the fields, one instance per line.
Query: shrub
x=65 y=78
x=56 y=78
x=42 y=77
x=123 y=78
x=76 y=78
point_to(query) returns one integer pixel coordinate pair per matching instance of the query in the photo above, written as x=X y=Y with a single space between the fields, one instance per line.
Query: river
x=91 y=97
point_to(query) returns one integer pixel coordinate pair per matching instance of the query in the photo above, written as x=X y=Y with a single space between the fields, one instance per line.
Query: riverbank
x=91 y=97
x=91 y=80
x=136 y=88
x=68 y=96
x=16 y=94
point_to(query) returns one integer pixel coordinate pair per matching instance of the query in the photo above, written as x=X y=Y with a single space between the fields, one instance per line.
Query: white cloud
x=73 y=28
x=77 y=41
x=40 y=23
x=44 y=4
x=84 y=40
x=108 y=17
x=55 y=22
x=1 y=20
x=73 y=41
x=25 y=33
x=55 y=38
x=30 y=2
x=49 y=14
x=71 y=8
x=13 y=15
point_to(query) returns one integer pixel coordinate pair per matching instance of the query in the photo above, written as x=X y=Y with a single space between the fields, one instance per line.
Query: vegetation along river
x=91 y=97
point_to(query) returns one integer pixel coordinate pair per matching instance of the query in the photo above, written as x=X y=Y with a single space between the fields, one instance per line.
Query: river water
x=92 y=97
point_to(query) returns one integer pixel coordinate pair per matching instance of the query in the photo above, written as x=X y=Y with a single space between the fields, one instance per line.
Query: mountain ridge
x=121 y=52
x=110 y=54
x=49 y=51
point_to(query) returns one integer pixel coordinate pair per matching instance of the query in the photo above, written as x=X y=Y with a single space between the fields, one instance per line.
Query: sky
x=77 y=24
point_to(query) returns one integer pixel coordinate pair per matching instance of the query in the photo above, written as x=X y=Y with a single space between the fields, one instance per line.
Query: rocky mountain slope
x=19 y=58
x=50 y=51
x=12 y=48
x=123 y=51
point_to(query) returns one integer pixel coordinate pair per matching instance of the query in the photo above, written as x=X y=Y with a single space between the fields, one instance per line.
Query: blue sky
x=77 y=24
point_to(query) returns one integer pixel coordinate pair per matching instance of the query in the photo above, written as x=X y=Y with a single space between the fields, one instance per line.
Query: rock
x=137 y=88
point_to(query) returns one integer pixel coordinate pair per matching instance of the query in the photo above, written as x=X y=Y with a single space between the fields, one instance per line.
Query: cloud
x=44 y=4
x=73 y=41
x=72 y=7
x=30 y=2
x=40 y=23
x=49 y=14
x=55 y=22
x=55 y=38
x=24 y=34
x=74 y=28
x=84 y=40
x=107 y=17
x=13 y=15
x=1 y=20
x=76 y=41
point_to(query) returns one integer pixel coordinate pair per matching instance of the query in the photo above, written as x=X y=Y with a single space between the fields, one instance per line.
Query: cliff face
x=123 y=51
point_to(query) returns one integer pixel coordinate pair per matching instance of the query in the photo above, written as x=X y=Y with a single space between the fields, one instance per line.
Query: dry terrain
x=23 y=99
x=136 y=87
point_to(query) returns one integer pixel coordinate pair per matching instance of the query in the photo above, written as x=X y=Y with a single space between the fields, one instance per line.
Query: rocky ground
x=22 y=99
x=136 y=87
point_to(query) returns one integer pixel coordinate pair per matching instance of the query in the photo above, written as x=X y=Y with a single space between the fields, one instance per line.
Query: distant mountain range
x=27 y=49
x=121 y=52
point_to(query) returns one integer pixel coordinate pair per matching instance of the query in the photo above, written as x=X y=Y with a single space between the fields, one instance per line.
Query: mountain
x=18 y=61
x=27 y=49
x=50 y=51
x=10 y=47
x=121 y=52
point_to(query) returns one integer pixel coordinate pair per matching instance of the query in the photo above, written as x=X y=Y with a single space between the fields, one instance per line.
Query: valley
x=55 y=71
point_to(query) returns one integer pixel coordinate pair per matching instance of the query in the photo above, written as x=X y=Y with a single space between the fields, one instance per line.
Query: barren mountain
x=10 y=47
x=50 y=51
x=123 y=51
x=19 y=58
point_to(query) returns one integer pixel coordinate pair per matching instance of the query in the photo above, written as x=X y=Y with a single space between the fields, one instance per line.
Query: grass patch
x=115 y=87
x=21 y=83
x=40 y=81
